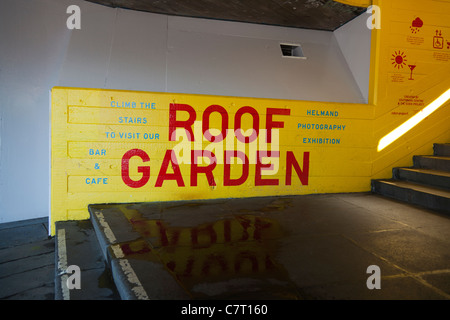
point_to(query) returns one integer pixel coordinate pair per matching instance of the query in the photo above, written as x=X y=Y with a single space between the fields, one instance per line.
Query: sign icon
x=398 y=59
x=416 y=25
x=438 y=40
x=411 y=67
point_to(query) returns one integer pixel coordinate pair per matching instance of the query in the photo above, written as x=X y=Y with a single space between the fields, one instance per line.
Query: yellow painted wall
x=334 y=144
x=413 y=32
x=91 y=135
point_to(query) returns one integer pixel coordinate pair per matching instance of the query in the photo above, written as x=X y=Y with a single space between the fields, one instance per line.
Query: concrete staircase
x=426 y=183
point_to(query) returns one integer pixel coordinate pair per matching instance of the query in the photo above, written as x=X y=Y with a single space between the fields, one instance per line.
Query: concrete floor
x=320 y=245
x=27 y=261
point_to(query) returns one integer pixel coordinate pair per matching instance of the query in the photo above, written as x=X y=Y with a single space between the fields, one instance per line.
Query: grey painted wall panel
x=138 y=52
x=354 y=39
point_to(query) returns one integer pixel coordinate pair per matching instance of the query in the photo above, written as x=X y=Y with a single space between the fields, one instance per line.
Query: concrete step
x=436 y=178
x=414 y=193
x=76 y=244
x=440 y=163
x=442 y=149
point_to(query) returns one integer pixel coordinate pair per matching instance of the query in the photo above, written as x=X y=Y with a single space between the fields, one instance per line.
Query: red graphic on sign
x=399 y=59
x=411 y=67
x=416 y=25
x=438 y=40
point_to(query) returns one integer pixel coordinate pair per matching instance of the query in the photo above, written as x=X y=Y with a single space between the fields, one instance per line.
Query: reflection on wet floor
x=230 y=256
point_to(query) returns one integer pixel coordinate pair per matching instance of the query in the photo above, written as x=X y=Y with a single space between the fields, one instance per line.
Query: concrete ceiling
x=309 y=14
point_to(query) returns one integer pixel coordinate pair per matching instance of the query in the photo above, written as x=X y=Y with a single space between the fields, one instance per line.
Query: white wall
x=32 y=48
x=214 y=57
x=122 y=49
x=354 y=39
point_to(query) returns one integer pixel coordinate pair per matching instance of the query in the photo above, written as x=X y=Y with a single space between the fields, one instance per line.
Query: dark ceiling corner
x=309 y=14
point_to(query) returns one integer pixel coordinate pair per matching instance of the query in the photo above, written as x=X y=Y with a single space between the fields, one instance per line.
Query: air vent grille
x=292 y=50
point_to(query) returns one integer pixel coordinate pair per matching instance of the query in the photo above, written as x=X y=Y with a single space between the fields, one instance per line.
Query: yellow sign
x=117 y=146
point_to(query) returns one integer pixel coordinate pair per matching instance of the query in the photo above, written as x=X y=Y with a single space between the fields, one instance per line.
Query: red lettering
x=162 y=234
x=246 y=255
x=274 y=124
x=227 y=230
x=145 y=170
x=187 y=124
x=214 y=259
x=238 y=128
x=163 y=175
x=206 y=231
x=227 y=181
x=205 y=123
x=259 y=181
x=260 y=225
x=246 y=224
x=302 y=174
x=207 y=170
